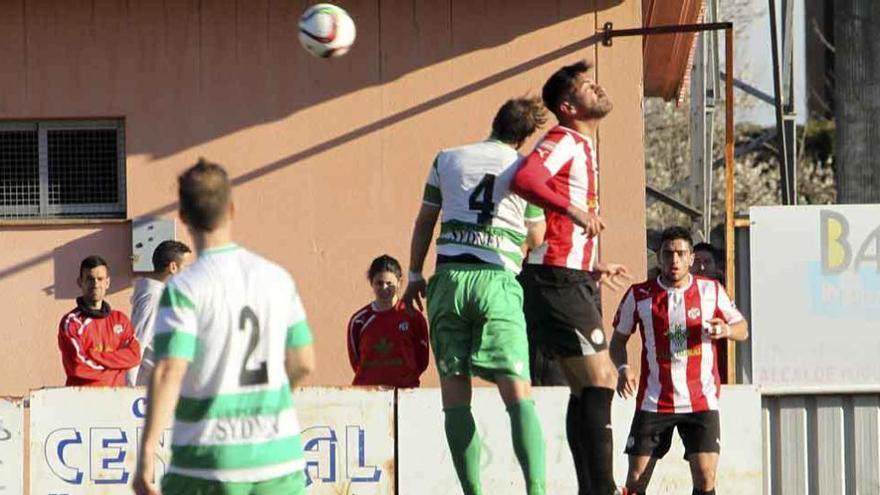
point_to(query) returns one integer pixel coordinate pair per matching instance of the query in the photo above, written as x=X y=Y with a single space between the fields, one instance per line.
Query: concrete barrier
x=426 y=468
x=86 y=440
x=11 y=447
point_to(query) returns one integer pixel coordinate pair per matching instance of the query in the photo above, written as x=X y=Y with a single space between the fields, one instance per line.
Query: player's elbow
x=297 y=373
x=739 y=331
x=300 y=363
x=170 y=370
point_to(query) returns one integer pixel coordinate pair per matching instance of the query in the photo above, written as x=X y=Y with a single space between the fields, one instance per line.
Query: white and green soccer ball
x=326 y=30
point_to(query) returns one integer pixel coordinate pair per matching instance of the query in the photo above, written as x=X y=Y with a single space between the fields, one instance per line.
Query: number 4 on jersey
x=481 y=199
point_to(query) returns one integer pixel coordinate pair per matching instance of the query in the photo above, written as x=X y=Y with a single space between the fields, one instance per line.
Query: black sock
x=596 y=441
x=572 y=433
x=704 y=492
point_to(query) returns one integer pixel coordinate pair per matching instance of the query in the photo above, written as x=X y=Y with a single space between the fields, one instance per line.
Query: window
x=62 y=169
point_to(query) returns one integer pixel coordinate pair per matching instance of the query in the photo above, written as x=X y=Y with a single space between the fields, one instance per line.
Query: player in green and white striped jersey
x=474 y=300
x=481 y=217
x=231 y=339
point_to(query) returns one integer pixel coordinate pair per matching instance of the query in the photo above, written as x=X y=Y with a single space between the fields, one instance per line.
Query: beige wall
x=328 y=156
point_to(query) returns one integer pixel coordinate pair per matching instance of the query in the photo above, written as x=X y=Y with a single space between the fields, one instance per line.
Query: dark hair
x=204 y=191
x=676 y=233
x=518 y=119
x=384 y=263
x=561 y=85
x=93 y=261
x=168 y=251
x=705 y=246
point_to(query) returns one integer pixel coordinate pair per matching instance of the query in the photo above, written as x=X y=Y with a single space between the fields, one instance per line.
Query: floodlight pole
x=608 y=34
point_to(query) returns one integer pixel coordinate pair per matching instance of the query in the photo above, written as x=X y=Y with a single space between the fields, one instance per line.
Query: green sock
x=528 y=443
x=464 y=445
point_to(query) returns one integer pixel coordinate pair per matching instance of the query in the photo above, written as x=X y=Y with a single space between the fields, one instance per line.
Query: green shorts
x=176 y=484
x=477 y=324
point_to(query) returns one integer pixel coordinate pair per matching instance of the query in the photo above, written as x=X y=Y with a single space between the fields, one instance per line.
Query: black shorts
x=563 y=311
x=651 y=433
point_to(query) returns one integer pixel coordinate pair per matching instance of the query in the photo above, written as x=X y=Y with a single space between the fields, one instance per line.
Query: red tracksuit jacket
x=387 y=347
x=97 y=347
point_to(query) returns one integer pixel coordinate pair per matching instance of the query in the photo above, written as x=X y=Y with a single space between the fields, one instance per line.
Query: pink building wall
x=328 y=157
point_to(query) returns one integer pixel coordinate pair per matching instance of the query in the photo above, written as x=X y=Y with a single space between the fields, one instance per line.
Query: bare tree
x=667 y=155
x=857 y=100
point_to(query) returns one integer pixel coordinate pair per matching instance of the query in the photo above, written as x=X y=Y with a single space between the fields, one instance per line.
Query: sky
x=753 y=63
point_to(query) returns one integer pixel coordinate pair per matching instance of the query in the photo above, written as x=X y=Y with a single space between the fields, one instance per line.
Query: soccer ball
x=326 y=30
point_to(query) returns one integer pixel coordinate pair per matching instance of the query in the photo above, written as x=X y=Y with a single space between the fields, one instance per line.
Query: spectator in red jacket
x=387 y=345
x=97 y=343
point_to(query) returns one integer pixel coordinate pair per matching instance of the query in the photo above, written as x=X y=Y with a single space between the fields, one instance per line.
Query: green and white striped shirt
x=232 y=314
x=480 y=214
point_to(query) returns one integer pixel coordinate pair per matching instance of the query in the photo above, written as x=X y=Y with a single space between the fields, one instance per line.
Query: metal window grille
x=53 y=169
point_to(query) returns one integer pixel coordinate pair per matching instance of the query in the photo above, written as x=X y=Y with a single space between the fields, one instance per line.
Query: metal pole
x=609 y=33
x=789 y=121
x=698 y=130
x=777 y=93
x=729 y=200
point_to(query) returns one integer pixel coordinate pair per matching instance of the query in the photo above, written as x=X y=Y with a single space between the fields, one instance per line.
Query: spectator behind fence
x=169 y=257
x=706 y=262
x=387 y=345
x=97 y=342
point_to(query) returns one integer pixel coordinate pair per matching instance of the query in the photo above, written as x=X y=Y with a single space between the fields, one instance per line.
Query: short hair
x=93 y=261
x=561 y=85
x=205 y=192
x=676 y=233
x=518 y=119
x=382 y=264
x=168 y=251
x=705 y=246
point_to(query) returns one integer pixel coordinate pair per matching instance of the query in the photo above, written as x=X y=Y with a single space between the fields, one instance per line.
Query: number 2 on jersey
x=249 y=376
x=481 y=199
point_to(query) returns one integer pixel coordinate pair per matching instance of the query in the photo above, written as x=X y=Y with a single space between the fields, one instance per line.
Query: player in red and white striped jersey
x=683 y=319
x=559 y=278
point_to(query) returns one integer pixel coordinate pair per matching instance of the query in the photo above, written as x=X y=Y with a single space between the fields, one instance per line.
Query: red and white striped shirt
x=562 y=171
x=679 y=362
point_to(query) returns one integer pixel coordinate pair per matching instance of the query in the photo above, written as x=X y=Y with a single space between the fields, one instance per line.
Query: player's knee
x=455 y=391
x=600 y=371
x=604 y=375
x=513 y=390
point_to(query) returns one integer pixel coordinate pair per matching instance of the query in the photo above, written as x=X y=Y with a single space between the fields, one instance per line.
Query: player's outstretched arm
x=613 y=275
x=162 y=396
x=423 y=230
x=299 y=362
